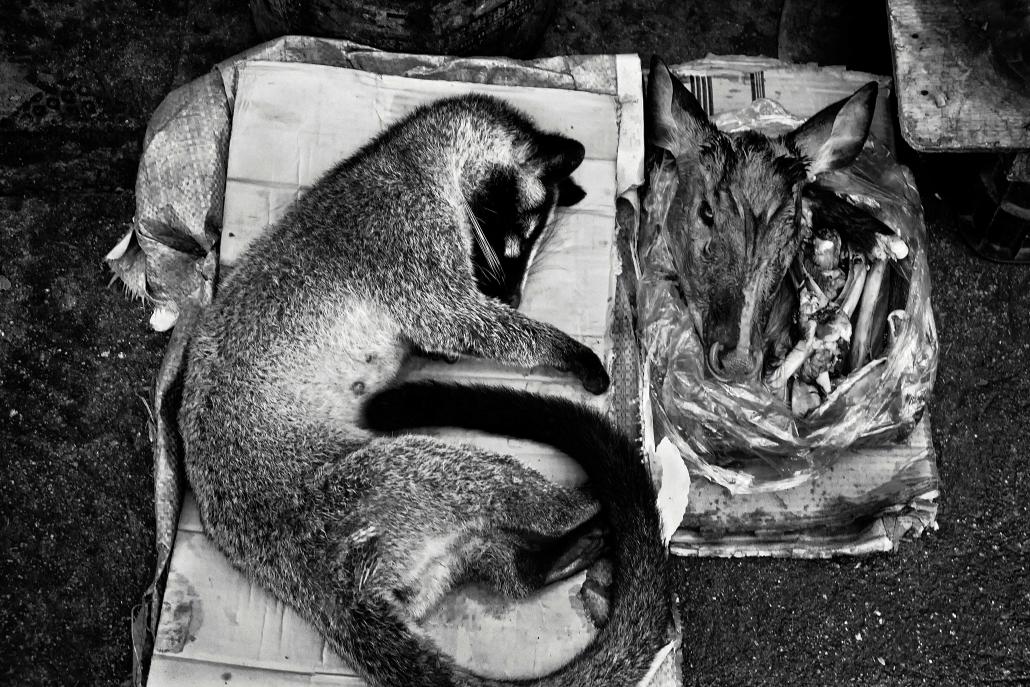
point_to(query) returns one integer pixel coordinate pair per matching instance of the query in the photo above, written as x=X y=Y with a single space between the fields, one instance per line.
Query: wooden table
x=950 y=97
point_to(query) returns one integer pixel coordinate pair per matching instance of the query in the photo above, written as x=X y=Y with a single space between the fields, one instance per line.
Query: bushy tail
x=639 y=617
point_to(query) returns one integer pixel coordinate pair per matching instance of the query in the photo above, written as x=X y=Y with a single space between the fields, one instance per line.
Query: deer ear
x=675 y=119
x=832 y=138
x=559 y=156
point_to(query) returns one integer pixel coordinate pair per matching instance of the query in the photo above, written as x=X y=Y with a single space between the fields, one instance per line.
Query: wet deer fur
x=733 y=225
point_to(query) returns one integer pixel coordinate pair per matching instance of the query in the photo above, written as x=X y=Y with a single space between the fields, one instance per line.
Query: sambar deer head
x=734 y=223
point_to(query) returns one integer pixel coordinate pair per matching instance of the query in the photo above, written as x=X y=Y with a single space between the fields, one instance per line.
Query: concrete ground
x=78 y=81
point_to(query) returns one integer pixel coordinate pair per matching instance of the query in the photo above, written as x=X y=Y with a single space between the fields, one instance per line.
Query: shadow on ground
x=78 y=81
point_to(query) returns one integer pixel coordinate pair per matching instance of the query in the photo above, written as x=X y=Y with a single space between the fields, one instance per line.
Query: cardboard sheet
x=864 y=503
x=291 y=123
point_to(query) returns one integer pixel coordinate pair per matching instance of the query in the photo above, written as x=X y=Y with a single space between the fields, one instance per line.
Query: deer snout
x=740 y=365
x=735 y=353
x=734 y=365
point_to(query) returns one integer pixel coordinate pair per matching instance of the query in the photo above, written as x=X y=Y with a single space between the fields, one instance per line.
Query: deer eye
x=704 y=211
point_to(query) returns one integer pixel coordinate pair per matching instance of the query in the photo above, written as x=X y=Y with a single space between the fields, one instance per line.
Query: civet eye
x=706 y=214
x=512 y=246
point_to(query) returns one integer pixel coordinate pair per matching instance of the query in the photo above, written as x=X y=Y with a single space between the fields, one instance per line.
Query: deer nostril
x=715 y=365
x=738 y=365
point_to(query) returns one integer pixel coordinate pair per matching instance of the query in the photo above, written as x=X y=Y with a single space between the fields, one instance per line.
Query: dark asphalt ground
x=77 y=358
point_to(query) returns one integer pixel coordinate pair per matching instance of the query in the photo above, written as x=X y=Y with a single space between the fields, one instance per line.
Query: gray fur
x=364 y=534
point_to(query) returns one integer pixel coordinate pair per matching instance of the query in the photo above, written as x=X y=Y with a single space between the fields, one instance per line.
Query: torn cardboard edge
x=882 y=533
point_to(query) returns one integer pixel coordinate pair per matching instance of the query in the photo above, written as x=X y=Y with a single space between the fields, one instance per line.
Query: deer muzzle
x=733 y=366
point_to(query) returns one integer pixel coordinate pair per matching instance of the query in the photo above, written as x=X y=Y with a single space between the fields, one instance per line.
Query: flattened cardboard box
x=869 y=499
x=291 y=123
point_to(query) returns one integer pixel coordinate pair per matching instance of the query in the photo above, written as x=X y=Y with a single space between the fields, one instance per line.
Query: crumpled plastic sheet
x=742 y=436
x=169 y=257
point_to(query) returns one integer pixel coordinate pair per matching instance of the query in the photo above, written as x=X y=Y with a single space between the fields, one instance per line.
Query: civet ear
x=559 y=156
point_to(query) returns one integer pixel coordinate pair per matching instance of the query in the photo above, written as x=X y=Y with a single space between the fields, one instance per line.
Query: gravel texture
x=78 y=81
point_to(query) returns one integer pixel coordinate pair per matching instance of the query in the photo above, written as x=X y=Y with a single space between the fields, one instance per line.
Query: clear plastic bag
x=743 y=436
